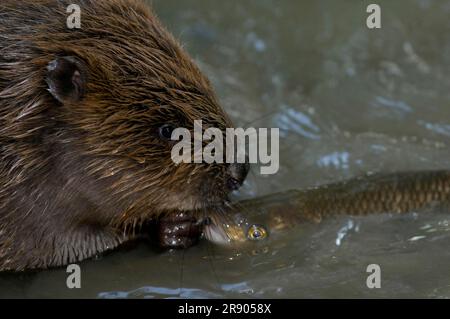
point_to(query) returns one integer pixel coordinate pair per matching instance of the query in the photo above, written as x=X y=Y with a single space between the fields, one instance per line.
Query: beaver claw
x=178 y=231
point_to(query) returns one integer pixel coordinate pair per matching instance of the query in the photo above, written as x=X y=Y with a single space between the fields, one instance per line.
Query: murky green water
x=348 y=100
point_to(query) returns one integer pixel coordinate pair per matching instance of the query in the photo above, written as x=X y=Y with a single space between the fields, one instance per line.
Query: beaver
x=86 y=117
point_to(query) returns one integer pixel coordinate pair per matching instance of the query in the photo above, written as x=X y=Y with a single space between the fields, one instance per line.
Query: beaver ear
x=66 y=79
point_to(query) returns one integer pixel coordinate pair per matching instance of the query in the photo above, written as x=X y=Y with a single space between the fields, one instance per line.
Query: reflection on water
x=348 y=101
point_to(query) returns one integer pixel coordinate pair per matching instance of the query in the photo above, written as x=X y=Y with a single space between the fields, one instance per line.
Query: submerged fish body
x=256 y=219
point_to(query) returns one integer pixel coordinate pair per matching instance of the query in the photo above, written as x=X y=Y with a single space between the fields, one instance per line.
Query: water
x=348 y=101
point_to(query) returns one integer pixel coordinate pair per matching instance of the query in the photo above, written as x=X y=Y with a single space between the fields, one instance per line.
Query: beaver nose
x=237 y=175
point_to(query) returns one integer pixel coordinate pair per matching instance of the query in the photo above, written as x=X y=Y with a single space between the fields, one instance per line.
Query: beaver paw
x=178 y=231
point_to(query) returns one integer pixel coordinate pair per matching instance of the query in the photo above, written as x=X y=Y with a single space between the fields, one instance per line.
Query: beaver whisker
x=264 y=116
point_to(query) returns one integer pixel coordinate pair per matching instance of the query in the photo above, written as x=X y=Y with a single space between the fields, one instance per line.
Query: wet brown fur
x=77 y=178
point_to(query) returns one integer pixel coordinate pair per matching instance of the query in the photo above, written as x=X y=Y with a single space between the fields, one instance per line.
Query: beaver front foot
x=178 y=230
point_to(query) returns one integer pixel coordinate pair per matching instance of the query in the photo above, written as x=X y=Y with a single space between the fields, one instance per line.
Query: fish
x=256 y=219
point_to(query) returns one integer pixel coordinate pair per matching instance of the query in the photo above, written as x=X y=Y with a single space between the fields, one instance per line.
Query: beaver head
x=87 y=114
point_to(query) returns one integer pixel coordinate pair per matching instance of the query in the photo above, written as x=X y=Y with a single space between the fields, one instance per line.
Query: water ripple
x=296 y=121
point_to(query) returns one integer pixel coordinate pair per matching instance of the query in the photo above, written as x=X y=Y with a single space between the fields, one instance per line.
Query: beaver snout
x=237 y=175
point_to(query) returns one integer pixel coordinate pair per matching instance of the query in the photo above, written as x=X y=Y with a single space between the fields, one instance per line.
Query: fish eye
x=257 y=232
x=165 y=131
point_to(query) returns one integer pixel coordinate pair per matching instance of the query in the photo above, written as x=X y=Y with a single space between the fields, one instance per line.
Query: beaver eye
x=165 y=131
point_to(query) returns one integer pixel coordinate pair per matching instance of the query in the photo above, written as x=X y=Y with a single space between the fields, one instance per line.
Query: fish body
x=369 y=194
